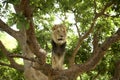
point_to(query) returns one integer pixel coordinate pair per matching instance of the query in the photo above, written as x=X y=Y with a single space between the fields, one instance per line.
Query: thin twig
x=95 y=6
x=80 y=41
x=4 y=64
x=78 y=31
x=113 y=16
x=6 y=53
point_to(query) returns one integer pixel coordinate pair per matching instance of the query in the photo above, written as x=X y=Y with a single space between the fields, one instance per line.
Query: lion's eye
x=63 y=30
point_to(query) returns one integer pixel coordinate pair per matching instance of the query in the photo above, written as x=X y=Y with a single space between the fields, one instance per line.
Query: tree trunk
x=29 y=44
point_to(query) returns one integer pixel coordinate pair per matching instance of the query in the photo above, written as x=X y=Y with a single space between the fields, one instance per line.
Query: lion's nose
x=61 y=36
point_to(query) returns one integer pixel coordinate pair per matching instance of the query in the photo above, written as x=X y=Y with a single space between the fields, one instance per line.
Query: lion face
x=59 y=34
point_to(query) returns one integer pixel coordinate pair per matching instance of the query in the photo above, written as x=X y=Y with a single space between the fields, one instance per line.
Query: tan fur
x=57 y=62
x=59 y=37
x=59 y=32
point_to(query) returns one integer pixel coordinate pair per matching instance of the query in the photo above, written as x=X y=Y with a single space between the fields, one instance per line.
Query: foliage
x=10 y=74
x=45 y=13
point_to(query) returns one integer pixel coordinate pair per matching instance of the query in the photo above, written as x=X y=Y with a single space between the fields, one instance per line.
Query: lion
x=59 y=35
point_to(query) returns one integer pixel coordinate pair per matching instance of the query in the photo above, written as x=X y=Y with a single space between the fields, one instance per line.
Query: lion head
x=59 y=34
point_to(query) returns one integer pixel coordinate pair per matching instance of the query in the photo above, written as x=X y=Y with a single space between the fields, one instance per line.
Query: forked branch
x=95 y=58
x=12 y=61
x=71 y=61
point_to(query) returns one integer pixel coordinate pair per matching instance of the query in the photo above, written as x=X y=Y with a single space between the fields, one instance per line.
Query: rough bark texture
x=29 y=44
x=36 y=68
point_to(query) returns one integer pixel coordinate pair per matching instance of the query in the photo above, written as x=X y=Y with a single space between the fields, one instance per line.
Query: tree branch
x=104 y=9
x=71 y=61
x=34 y=45
x=6 y=28
x=77 y=25
x=113 y=16
x=32 y=42
x=95 y=77
x=80 y=41
x=4 y=64
x=6 y=53
x=95 y=58
x=95 y=41
x=23 y=57
x=95 y=6
x=11 y=66
x=12 y=61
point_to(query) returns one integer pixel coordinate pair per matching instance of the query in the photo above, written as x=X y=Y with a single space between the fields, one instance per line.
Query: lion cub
x=58 y=46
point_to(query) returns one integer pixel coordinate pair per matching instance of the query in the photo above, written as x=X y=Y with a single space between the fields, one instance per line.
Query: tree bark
x=29 y=44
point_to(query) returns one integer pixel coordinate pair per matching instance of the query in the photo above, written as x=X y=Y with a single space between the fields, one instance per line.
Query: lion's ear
x=54 y=27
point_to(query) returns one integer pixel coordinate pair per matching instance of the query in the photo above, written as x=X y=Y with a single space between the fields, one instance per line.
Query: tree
x=97 y=24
